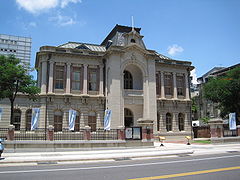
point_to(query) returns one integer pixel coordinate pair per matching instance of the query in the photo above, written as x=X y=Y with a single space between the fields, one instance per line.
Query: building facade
x=140 y=86
x=16 y=45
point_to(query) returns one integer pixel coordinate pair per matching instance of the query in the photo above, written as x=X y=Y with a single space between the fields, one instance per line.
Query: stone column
x=162 y=86
x=44 y=77
x=175 y=122
x=50 y=81
x=10 y=136
x=68 y=85
x=50 y=133
x=87 y=133
x=121 y=133
x=85 y=73
x=174 y=86
x=101 y=80
x=187 y=87
x=162 y=124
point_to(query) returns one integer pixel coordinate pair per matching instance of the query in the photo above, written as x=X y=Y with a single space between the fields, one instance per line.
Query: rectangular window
x=158 y=83
x=59 y=77
x=92 y=123
x=180 y=85
x=168 y=83
x=92 y=79
x=76 y=78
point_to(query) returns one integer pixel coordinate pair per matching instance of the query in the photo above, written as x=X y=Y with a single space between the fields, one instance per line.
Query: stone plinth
x=147 y=128
x=87 y=133
x=216 y=128
x=10 y=136
x=50 y=133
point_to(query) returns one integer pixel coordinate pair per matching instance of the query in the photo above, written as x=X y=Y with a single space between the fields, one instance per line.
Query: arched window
x=28 y=119
x=181 y=122
x=128 y=118
x=128 y=80
x=58 y=118
x=169 y=122
x=77 y=122
x=158 y=122
x=133 y=41
x=17 y=119
x=92 y=122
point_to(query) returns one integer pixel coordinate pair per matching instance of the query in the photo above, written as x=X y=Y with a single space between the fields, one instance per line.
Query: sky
x=205 y=32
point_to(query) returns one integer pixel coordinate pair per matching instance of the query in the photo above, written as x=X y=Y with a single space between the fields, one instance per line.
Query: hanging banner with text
x=232 y=121
x=107 y=119
x=71 y=119
x=35 y=118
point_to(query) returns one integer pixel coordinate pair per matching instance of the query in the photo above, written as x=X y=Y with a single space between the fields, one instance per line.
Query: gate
x=133 y=133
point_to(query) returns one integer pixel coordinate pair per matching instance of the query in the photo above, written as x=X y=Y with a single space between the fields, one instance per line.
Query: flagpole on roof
x=132 y=24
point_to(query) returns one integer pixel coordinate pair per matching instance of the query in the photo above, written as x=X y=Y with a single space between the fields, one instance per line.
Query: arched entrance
x=128 y=118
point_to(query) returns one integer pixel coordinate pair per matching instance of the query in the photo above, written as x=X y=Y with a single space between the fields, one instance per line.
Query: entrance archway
x=128 y=117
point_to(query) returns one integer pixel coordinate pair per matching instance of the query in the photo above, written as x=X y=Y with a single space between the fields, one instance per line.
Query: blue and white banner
x=35 y=118
x=107 y=119
x=71 y=119
x=1 y=111
x=232 y=121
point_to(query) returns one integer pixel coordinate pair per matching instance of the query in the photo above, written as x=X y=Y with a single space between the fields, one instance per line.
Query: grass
x=202 y=141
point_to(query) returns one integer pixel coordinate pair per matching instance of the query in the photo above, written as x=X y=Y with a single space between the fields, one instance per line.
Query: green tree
x=14 y=79
x=225 y=90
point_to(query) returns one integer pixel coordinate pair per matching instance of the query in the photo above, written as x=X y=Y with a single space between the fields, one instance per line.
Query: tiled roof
x=163 y=57
x=76 y=45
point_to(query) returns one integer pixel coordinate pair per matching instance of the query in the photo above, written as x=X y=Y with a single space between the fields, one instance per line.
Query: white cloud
x=32 y=24
x=194 y=75
x=38 y=6
x=64 y=3
x=174 y=49
x=63 y=20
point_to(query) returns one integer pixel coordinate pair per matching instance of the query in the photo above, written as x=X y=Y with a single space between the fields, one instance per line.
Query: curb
x=53 y=160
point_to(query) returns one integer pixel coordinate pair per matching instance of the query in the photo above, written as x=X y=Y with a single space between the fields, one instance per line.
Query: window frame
x=168 y=84
x=180 y=85
x=128 y=80
x=181 y=122
x=58 y=121
x=59 y=83
x=28 y=120
x=73 y=80
x=169 y=122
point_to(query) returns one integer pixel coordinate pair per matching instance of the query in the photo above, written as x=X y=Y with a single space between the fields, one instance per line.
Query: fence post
x=10 y=136
x=216 y=128
x=87 y=133
x=121 y=133
x=238 y=130
x=50 y=133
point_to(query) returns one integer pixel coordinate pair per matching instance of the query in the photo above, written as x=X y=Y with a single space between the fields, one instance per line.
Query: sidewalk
x=12 y=158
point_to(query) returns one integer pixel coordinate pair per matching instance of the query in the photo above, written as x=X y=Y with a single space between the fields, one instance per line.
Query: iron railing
x=3 y=133
x=229 y=133
x=101 y=134
x=22 y=135
x=66 y=134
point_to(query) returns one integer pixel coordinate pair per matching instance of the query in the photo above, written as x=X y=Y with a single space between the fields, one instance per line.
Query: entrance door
x=128 y=118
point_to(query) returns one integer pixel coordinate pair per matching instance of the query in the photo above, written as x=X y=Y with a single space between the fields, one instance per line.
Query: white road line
x=119 y=166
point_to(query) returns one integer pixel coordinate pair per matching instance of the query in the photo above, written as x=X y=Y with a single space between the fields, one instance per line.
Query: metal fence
x=229 y=133
x=3 y=133
x=22 y=135
x=101 y=134
x=65 y=134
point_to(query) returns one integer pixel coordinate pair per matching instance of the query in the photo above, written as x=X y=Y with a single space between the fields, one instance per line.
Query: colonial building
x=140 y=86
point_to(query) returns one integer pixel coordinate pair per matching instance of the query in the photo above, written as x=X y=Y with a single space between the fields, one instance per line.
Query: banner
x=107 y=119
x=232 y=121
x=1 y=111
x=71 y=119
x=35 y=118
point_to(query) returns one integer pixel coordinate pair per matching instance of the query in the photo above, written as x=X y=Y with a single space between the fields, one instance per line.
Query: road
x=214 y=167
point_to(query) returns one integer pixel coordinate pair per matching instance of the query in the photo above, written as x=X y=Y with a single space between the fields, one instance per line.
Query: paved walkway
x=27 y=156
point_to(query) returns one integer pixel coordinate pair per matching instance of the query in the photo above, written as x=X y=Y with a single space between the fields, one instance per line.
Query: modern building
x=207 y=108
x=16 y=45
x=140 y=86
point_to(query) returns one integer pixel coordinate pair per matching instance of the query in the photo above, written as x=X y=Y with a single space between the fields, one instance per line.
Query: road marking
x=118 y=166
x=188 y=173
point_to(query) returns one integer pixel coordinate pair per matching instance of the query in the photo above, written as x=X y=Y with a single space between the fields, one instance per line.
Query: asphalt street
x=218 y=166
